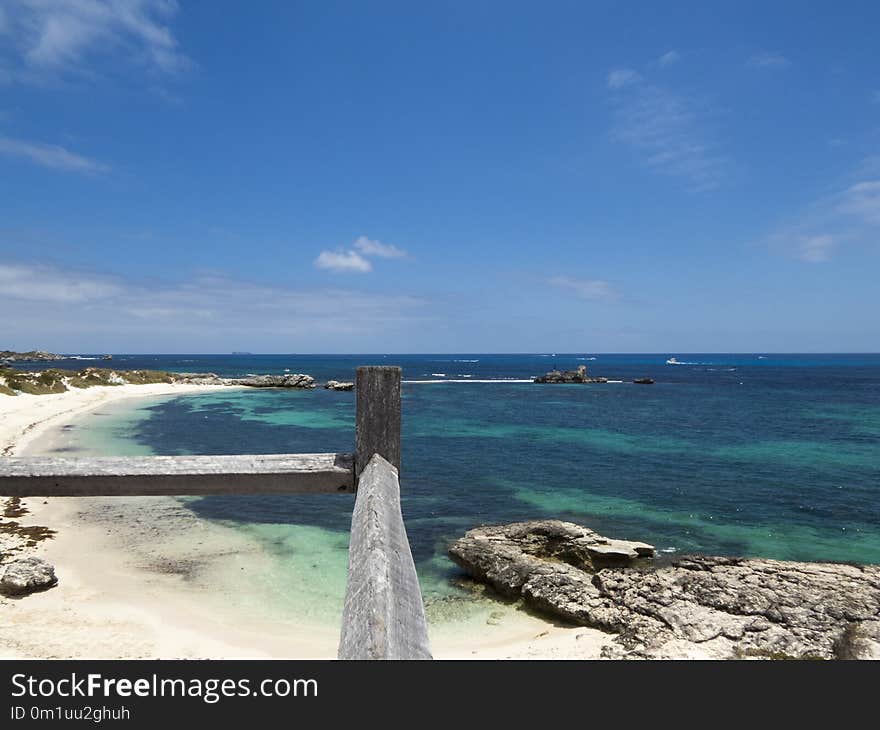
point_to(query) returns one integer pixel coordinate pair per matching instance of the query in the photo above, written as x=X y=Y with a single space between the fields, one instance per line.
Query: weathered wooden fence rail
x=383 y=616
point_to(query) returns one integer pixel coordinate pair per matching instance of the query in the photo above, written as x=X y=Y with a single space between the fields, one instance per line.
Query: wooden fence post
x=377 y=416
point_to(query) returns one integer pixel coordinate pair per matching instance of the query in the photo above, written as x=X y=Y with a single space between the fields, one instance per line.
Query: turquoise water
x=775 y=456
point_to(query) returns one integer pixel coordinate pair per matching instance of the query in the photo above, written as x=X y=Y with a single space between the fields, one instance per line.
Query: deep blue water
x=744 y=454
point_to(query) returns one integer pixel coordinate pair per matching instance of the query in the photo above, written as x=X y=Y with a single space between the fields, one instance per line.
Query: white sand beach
x=24 y=418
x=146 y=578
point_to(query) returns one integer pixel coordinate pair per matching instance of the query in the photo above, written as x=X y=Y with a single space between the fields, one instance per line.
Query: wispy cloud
x=48 y=305
x=591 y=289
x=49 y=155
x=665 y=130
x=343 y=261
x=620 y=77
x=769 y=60
x=68 y=38
x=369 y=247
x=45 y=284
x=862 y=200
x=669 y=58
x=849 y=216
x=816 y=248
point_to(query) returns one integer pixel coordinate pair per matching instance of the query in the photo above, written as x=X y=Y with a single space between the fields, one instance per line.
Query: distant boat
x=672 y=361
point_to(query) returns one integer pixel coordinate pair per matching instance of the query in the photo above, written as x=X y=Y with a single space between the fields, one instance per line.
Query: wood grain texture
x=129 y=476
x=383 y=617
x=377 y=419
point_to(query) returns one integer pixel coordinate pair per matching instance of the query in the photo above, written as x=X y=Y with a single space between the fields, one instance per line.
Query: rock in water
x=569 y=376
x=27 y=575
x=696 y=606
x=336 y=385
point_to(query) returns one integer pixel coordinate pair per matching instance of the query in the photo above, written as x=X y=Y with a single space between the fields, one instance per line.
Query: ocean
x=760 y=454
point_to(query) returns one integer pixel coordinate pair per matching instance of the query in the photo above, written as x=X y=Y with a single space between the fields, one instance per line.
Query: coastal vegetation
x=54 y=380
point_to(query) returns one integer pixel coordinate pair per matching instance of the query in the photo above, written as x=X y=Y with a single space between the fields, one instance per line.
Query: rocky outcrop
x=287 y=380
x=569 y=376
x=336 y=385
x=695 y=606
x=30 y=356
x=27 y=575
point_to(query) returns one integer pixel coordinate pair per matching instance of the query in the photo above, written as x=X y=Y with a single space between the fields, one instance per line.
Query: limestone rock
x=696 y=606
x=337 y=385
x=27 y=575
x=287 y=380
x=569 y=376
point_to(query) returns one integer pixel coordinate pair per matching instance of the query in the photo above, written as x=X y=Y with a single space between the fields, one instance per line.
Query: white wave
x=668 y=550
x=465 y=361
x=503 y=381
x=586 y=358
x=613 y=381
x=467 y=376
x=80 y=357
x=438 y=375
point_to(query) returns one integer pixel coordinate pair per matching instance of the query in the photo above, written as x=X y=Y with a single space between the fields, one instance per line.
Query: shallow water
x=775 y=457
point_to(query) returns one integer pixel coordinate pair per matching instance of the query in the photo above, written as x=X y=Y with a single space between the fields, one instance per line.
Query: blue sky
x=439 y=176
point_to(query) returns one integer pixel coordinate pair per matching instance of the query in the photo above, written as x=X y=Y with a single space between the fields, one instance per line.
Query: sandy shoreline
x=145 y=578
x=24 y=418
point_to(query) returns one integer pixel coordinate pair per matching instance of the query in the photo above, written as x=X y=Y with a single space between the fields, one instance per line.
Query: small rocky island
x=569 y=376
x=336 y=385
x=694 y=606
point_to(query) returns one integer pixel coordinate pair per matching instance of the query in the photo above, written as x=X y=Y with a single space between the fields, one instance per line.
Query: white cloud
x=68 y=37
x=768 y=59
x=45 y=284
x=848 y=217
x=816 y=248
x=353 y=259
x=369 y=247
x=343 y=261
x=667 y=133
x=58 y=308
x=669 y=58
x=621 y=77
x=863 y=201
x=592 y=289
x=49 y=155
